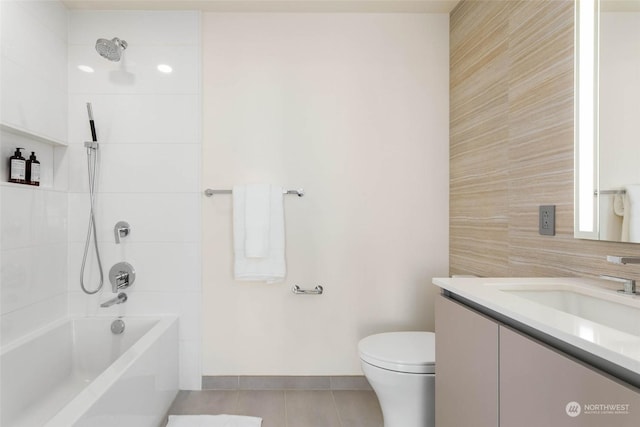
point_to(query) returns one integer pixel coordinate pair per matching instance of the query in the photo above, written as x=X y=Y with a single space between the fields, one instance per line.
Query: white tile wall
x=34 y=256
x=32 y=274
x=137 y=72
x=33 y=59
x=48 y=13
x=149 y=128
x=181 y=275
x=148 y=125
x=33 y=221
x=155 y=217
x=20 y=322
x=21 y=41
x=140 y=28
x=142 y=118
x=137 y=168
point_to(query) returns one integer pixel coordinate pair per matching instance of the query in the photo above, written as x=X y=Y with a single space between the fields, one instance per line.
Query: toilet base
x=406 y=400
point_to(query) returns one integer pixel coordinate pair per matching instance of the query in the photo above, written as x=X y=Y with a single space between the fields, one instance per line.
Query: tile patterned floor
x=286 y=408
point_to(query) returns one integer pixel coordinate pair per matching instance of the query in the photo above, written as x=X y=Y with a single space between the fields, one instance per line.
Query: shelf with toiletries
x=30 y=161
x=24 y=171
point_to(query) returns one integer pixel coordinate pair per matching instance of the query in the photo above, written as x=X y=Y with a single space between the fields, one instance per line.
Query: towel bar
x=209 y=192
x=595 y=192
x=316 y=291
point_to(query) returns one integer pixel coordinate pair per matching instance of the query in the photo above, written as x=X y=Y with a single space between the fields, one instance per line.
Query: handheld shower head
x=90 y=111
x=92 y=125
x=111 y=49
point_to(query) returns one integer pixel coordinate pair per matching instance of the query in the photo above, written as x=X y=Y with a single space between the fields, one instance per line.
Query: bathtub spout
x=122 y=297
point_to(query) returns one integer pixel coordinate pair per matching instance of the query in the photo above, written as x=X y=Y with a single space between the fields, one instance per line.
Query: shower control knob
x=122 y=275
x=120 y=230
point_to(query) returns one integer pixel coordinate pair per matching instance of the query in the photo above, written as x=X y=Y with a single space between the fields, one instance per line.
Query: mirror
x=607 y=131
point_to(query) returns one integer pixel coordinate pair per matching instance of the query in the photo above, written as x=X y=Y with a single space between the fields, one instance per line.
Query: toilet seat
x=408 y=352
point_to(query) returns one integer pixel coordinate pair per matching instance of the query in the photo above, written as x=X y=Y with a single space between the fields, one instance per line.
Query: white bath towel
x=257 y=216
x=258 y=236
x=631 y=219
x=213 y=421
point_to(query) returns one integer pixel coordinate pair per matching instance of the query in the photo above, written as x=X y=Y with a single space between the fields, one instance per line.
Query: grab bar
x=315 y=291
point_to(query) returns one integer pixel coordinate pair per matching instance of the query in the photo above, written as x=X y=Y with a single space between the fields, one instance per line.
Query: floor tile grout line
x=335 y=406
x=286 y=415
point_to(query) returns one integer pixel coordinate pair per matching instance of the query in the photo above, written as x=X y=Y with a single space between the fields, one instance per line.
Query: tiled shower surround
x=148 y=127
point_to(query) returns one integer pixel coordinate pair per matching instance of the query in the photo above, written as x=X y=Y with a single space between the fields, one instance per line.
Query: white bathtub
x=78 y=373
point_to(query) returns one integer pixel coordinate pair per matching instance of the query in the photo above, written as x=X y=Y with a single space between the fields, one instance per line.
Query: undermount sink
x=616 y=311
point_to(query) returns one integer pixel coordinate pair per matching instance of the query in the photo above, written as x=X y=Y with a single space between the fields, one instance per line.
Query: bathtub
x=76 y=372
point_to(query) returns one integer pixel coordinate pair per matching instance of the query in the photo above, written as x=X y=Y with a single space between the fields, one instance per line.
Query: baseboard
x=265 y=382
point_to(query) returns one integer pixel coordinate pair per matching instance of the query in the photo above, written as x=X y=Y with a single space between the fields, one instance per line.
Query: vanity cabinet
x=541 y=386
x=488 y=374
x=466 y=367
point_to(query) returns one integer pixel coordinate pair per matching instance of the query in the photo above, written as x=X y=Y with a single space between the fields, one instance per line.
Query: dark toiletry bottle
x=17 y=167
x=33 y=170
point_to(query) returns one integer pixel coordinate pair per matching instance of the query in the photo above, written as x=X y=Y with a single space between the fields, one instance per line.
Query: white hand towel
x=618 y=204
x=631 y=219
x=270 y=268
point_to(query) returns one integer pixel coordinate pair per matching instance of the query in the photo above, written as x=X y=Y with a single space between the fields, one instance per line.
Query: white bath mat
x=213 y=421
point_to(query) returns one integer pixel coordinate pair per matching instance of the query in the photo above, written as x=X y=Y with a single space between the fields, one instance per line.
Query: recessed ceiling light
x=164 y=68
x=85 y=68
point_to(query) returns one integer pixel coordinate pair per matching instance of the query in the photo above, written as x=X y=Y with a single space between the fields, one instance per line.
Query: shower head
x=111 y=49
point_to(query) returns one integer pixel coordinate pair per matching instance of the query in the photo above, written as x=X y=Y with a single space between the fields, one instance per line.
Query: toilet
x=401 y=367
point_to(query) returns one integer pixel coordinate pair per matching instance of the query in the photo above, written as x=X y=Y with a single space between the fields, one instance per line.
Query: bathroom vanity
x=536 y=352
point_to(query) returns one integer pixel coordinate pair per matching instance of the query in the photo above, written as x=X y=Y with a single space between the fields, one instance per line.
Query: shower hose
x=92 y=166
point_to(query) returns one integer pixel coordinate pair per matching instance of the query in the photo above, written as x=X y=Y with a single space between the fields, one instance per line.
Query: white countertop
x=620 y=348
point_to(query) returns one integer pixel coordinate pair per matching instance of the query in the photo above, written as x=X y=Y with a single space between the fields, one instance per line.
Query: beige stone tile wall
x=511 y=143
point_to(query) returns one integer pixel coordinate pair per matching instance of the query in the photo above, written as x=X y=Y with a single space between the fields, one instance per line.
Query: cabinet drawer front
x=537 y=384
x=466 y=367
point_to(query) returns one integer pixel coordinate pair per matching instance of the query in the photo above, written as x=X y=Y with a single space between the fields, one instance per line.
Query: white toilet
x=401 y=367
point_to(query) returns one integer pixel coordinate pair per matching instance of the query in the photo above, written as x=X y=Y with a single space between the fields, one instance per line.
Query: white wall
x=33 y=221
x=619 y=106
x=148 y=125
x=354 y=108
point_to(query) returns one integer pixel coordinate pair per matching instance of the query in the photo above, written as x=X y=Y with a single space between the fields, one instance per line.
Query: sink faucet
x=122 y=297
x=623 y=259
x=628 y=285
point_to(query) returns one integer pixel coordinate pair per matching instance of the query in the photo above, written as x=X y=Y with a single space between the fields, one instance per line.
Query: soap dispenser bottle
x=17 y=167
x=33 y=170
